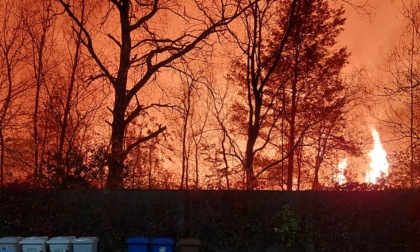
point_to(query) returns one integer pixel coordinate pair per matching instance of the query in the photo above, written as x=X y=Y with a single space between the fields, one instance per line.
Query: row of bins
x=56 y=244
x=89 y=244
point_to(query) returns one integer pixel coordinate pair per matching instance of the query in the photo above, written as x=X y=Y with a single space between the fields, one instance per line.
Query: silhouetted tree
x=314 y=65
x=254 y=72
x=290 y=81
x=141 y=49
x=402 y=89
x=317 y=98
x=39 y=21
x=189 y=119
x=72 y=102
x=12 y=41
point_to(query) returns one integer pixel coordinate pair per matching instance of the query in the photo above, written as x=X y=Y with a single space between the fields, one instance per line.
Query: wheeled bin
x=162 y=244
x=34 y=244
x=10 y=244
x=189 y=245
x=61 y=244
x=85 y=244
x=138 y=244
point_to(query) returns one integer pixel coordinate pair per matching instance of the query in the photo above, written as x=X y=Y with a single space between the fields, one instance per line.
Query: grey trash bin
x=61 y=244
x=10 y=244
x=34 y=244
x=85 y=244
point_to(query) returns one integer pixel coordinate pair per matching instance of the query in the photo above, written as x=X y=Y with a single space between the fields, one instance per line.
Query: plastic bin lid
x=60 y=240
x=163 y=241
x=140 y=240
x=85 y=240
x=10 y=239
x=34 y=240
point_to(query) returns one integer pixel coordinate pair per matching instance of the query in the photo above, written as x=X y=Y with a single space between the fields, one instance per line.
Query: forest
x=202 y=94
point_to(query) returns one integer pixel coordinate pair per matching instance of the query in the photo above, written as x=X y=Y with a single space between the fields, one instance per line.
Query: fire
x=378 y=164
x=341 y=179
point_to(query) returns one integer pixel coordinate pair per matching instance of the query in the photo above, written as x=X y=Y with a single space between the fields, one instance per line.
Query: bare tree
x=289 y=77
x=190 y=117
x=72 y=102
x=256 y=73
x=38 y=23
x=220 y=152
x=144 y=49
x=402 y=89
x=189 y=83
x=11 y=57
x=317 y=95
x=71 y=86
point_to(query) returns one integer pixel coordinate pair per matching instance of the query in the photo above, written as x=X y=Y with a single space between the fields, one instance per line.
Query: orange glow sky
x=366 y=37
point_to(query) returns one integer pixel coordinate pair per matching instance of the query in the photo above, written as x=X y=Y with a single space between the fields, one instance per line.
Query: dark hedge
x=222 y=220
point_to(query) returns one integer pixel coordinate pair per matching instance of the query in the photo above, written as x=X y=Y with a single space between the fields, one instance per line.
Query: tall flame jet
x=379 y=163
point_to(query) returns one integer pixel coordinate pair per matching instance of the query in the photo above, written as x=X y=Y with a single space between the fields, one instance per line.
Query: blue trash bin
x=162 y=244
x=138 y=244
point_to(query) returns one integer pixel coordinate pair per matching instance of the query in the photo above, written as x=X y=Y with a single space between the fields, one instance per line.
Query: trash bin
x=34 y=244
x=138 y=244
x=60 y=244
x=10 y=244
x=189 y=245
x=162 y=244
x=85 y=244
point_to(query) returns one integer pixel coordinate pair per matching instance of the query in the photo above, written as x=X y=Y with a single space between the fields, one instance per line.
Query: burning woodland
x=220 y=95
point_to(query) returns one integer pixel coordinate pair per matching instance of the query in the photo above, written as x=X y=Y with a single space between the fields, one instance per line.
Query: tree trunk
x=38 y=67
x=35 y=133
x=1 y=157
x=150 y=159
x=292 y=133
x=249 y=160
x=412 y=102
x=225 y=161
x=68 y=107
x=117 y=157
x=315 y=185
x=196 y=167
x=185 y=155
x=299 y=167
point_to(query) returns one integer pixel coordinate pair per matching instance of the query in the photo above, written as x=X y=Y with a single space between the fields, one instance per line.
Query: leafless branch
x=148 y=16
x=114 y=39
x=89 y=42
x=144 y=139
x=178 y=52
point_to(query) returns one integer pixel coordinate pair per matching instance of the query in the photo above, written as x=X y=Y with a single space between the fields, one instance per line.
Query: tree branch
x=146 y=17
x=282 y=45
x=89 y=43
x=152 y=69
x=144 y=139
x=114 y=39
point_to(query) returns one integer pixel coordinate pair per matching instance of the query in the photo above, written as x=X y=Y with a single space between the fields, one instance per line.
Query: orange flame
x=341 y=179
x=379 y=163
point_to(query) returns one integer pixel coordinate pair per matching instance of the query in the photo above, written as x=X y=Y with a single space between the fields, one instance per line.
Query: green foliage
x=290 y=228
